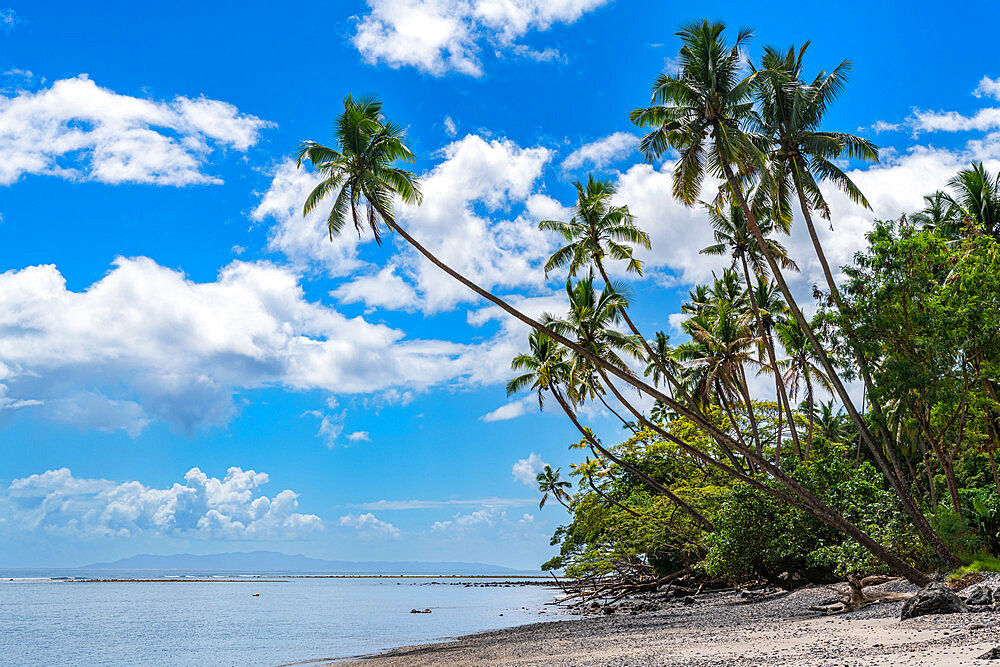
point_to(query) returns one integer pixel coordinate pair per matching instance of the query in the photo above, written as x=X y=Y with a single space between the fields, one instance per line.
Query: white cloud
x=384 y=289
x=599 y=154
x=449 y=126
x=441 y=36
x=400 y=505
x=77 y=130
x=359 y=436
x=511 y=410
x=952 y=121
x=146 y=343
x=988 y=88
x=369 y=525
x=525 y=470
x=57 y=502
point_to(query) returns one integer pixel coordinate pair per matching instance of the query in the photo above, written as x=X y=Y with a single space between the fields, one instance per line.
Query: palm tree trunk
x=909 y=505
x=779 y=384
x=810 y=401
x=927 y=467
x=993 y=468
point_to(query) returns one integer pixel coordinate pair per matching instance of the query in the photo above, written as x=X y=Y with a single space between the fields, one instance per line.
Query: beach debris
x=934 y=598
x=256 y=595
x=420 y=611
x=851 y=595
x=992 y=654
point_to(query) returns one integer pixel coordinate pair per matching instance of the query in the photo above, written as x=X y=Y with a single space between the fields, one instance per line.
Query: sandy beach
x=722 y=629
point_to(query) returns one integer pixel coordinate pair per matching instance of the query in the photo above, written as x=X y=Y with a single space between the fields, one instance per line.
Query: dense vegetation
x=797 y=482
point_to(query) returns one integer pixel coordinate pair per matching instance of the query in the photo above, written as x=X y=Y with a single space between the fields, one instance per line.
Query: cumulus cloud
x=368 y=525
x=441 y=36
x=599 y=154
x=57 y=502
x=359 y=436
x=988 y=88
x=146 y=343
x=526 y=470
x=78 y=130
x=511 y=410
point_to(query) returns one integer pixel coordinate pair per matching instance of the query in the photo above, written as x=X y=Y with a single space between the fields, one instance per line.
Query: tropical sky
x=187 y=364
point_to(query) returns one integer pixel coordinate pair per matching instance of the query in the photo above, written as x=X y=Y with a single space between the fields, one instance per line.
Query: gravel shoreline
x=721 y=629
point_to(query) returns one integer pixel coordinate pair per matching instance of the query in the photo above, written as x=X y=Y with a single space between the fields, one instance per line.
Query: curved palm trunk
x=745 y=392
x=825 y=514
x=779 y=385
x=903 y=493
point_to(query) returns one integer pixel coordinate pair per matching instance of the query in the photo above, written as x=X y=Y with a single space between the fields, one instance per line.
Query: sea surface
x=67 y=618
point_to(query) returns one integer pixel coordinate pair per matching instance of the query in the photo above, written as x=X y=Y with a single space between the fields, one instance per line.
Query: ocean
x=77 y=621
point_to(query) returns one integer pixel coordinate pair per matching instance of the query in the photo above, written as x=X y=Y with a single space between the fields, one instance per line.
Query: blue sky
x=164 y=307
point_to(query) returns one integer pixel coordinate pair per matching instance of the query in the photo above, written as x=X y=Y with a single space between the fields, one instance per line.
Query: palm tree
x=359 y=174
x=545 y=364
x=975 y=195
x=549 y=482
x=799 y=368
x=598 y=230
x=799 y=157
x=732 y=234
x=939 y=215
x=704 y=113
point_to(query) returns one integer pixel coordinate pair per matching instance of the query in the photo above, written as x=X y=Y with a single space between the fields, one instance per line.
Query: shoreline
x=718 y=629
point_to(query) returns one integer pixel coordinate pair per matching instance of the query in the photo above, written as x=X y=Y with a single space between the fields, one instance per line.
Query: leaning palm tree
x=599 y=229
x=545 y=365
x=549 y=482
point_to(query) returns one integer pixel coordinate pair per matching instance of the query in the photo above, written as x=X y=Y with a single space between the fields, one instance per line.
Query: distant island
x=273 y=561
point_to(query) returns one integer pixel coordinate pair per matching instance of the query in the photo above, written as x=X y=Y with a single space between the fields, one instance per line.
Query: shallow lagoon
x=220 y=622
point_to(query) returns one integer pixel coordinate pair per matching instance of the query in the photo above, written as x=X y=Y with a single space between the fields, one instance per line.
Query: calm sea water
x=52 y=622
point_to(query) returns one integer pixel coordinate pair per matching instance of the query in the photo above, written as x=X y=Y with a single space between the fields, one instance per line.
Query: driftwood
x=853 y=596
x=613 y=588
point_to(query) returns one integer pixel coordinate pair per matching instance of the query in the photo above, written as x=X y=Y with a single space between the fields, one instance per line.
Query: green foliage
x=759 y=536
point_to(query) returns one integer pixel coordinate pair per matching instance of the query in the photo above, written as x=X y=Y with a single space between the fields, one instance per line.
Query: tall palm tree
x=597 y=230
x=800 y=156
x=975 y=194
x=799 y=368
x=732 y=234
x=545 y=365
x=704 y=113
x=939 y=214
x=549 y=482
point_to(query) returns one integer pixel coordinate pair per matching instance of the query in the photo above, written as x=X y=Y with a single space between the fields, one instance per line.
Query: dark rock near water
x=979 y=595
x=992 y=654
x=934 y=598
x=420 y=611
x=688 y=600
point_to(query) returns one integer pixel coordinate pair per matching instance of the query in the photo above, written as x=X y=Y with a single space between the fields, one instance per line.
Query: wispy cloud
x=401 y=505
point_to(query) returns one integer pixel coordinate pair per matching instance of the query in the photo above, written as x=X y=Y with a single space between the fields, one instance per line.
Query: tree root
x=853 y=596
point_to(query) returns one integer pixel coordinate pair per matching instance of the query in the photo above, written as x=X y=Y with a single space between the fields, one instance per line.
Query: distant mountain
x=272 y=561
